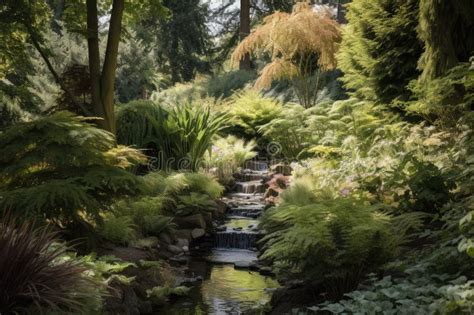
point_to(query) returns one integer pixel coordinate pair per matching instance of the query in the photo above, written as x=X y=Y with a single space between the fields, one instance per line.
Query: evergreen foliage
x=380 y=49
x=63 y=169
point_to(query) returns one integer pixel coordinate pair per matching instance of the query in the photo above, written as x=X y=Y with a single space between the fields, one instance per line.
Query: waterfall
x=239 y=240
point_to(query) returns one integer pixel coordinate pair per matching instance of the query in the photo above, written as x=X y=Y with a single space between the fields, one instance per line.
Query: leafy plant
x=419 y=293
x=194 y=203
x=227 y=156
x=133 y=124
x=332 y=242
x=33 y=276
x=226 y=84
x=119 y=230
x=184 y=135
x=249 y=111
x=63 y=169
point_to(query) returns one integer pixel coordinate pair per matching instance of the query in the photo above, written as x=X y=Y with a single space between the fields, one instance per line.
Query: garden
x=252 y=157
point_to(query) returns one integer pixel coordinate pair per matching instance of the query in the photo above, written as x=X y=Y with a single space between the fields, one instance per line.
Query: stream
x=229 y=283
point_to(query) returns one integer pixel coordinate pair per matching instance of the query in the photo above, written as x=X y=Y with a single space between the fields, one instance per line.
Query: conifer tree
x=380 y=49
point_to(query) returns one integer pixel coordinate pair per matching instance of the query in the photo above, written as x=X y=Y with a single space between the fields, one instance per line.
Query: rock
x=237 y=229
x=182 y=242
x=166 y=238
x=220 y=210
x=281 y=169
x=190 y=222
x=250 y=226
x=183 y=233
x=197 y=233
x=186 y=248
x=266 y=271
x=180 y=259
x=175 y=249
x=221 y=229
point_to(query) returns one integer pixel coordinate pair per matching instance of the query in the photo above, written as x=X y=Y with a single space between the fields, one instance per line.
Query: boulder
x=190 y=222
x=220 y=209
x=183 y=233
x=175 y=249
x=197 y=233
x=182 y=242
x=166 y=238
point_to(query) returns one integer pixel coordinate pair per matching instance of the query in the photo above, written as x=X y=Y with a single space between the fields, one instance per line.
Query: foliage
x=420 y=292
x=147 y=214
x=249 y=111
x=444 y=28
x=181 y=40
x=300 y=44
x=183 y=136
x=226 y=84
x=290 y=130
x=194 y=203
x=227 y=156
x=33 y=278
x=332 y=242
x=181 y=183
x=63 y=169
x=119 y=230
x=448 y=97
x=379 y=50
x=135 y=70
x=159 y=295
x=133 y=123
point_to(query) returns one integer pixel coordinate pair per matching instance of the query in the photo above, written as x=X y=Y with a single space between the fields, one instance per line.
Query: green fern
x=64 y=169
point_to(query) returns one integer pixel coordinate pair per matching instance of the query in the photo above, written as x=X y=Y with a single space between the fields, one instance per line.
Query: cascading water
x=225 y=289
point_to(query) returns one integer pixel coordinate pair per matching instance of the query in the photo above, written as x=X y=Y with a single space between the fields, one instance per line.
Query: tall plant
x=301 y=45
x=184 y=134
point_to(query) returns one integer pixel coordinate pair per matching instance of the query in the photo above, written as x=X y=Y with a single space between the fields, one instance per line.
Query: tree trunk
x=110 y=64
x=245 y=63
x=102 y=84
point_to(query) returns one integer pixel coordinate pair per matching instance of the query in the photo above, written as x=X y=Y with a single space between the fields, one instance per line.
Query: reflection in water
x=225 y=291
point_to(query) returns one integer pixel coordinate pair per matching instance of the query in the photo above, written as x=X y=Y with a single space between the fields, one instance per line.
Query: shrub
x=227 y=156
x=119 y=230
x=181 y=183
x=183 y=135
x=34 y=277
x=249 y=111
x=63 y=169
x=133 y=124
x=224 y=85
x=332 y=242
x=147 y=213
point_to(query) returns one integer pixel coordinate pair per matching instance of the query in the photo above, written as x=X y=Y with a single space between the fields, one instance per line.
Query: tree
x=446 y=29
x=301 y=45
x=102 y=82
x=180 y=40
x=380 y=50
x=244 y=31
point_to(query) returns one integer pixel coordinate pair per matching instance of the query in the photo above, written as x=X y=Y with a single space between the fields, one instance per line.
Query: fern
x=63 y=169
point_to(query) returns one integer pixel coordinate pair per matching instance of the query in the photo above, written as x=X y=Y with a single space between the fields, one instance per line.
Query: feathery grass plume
x=300 y=44
x=34 y=278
